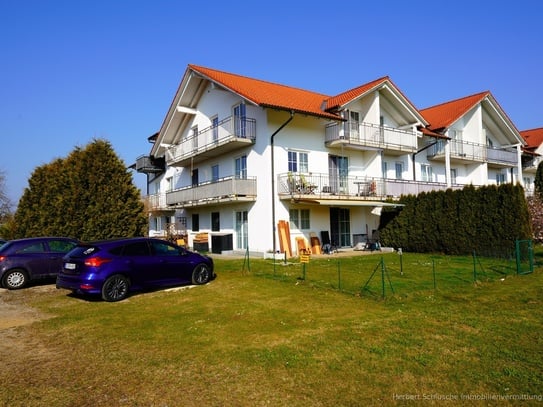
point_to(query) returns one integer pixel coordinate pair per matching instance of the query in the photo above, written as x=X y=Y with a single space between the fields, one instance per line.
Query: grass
x=265 y=337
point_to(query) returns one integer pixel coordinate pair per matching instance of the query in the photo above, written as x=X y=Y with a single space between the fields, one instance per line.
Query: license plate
x=69 y=266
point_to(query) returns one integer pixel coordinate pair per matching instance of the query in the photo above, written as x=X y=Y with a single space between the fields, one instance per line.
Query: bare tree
x=5 y=203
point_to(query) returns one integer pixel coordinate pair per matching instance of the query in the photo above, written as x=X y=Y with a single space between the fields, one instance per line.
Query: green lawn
x=264 y=336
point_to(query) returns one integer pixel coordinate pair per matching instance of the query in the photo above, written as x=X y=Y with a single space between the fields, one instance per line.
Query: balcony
x=230 y=134
x=224 y=190
x=498 y=157
x=466 y=151
x=323 y=187
x=150 y=165
x=366 y=136
x=156 y=203
x=530 y=163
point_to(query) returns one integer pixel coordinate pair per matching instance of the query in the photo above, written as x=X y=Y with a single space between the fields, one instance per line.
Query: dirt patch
x=14 y=310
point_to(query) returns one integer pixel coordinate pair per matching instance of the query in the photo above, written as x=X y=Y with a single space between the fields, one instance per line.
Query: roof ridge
x=534 y=129
x=199 y=67
x=486 y=92
x=383 y=78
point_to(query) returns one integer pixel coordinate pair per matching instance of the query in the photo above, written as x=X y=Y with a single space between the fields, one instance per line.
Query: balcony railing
x=370 y=136
x=147 y=164
x=157 y=203
x=530 y=164
x=469 y=151
x=208 y=193
x=230 y=133
x=323 y=186
x=502 y=157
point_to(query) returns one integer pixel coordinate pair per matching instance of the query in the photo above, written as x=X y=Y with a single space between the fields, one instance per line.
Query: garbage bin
x=221 y=242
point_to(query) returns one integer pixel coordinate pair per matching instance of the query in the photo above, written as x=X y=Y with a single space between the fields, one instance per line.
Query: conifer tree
x=89 y=195
x=538 y=181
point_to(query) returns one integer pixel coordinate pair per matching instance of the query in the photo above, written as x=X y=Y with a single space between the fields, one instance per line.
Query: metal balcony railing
x=469 y=151
x=530 y=163
x=157 y=202
x=223 y=190
x=371 y=136
x=233 y=129
x=502 y=156
x=323 y=186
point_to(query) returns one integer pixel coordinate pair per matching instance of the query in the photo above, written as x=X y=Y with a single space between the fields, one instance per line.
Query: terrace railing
x=323 y=186
x=371 y=136
x=205 y=193
x=230 y=133
x=470 y=151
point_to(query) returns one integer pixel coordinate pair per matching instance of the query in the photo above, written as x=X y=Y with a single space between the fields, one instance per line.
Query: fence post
x=339 y=274
x=383 y=275
x=434 y=271
x=474 y=267
x=400 y=253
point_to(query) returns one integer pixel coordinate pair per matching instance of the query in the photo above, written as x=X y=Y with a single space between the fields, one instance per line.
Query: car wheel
x=115 y=288
x=201 y=274
x=14 y=279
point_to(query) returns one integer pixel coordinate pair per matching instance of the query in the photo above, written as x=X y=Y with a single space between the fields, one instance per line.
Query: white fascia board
x=505 y=119
x=187 y=110
x=406 y=104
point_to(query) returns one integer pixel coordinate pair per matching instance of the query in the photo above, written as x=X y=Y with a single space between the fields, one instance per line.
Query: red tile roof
x=337 y=101
x=533 y=137
x=444 y=115
x=268 y=94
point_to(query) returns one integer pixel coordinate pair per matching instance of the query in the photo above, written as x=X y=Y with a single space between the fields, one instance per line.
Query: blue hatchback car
x=114 y=268
x=23 y=260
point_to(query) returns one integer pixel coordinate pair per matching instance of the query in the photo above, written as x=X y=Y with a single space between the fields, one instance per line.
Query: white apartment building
x=235 y=156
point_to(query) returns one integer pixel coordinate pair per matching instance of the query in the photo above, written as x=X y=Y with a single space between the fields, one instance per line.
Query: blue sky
x=74 y=71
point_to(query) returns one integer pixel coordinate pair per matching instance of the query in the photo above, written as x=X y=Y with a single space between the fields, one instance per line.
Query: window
x=299 y=219
x=240 y=125
x=215 y=173
x=60 y=246
x=169 y=184
x=194 y=177
x=215 y=129
x=164 y=249
x=241 y=167
x=215 y=221
x=352 y=125
x=338 y=170
x=136 y=249
x=242 y=230
x=158 y=223
x=195 y=222
x=195 y=137
x=426 y=171
x=33 y=248
x=453 y=176
x=399 y=170
x=384 y=169
x=456 y=142
x=500 y=178
x=304 y=218
x=298 y=162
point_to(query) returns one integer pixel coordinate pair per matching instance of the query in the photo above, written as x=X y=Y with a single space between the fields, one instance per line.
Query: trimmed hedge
x=486 y=220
